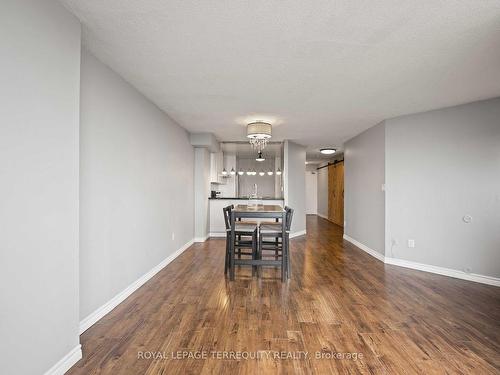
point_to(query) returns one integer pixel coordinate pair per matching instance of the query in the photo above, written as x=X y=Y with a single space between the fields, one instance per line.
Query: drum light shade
x=259 y=130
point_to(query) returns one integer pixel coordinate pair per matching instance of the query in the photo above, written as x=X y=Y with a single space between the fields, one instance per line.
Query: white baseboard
x=200 y=239
x=218 y=234
x=323 y=216
x=66 y=362
x=120 y=297
x=483 y=279
x=365 y=248
x=299 y=233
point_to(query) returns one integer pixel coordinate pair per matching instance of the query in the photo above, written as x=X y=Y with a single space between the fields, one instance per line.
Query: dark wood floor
x=339 y=300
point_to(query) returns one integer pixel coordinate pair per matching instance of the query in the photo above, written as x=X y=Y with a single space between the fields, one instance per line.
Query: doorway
x=311 y=193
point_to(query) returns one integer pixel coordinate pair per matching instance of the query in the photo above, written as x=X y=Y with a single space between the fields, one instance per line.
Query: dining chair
x=243 y=230
x=275 y=232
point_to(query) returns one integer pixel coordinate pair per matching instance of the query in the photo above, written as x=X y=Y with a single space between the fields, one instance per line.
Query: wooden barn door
x=336 y=193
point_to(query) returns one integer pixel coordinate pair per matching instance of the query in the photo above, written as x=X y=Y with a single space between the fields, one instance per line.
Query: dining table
x=257 y=211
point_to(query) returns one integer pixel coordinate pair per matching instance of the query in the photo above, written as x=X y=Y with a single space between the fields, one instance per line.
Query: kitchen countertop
x=246 y=198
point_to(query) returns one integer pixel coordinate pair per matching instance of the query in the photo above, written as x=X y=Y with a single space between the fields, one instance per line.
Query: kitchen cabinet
x=216 y=167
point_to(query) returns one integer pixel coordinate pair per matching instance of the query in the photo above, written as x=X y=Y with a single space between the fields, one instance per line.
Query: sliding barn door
x=336 y=193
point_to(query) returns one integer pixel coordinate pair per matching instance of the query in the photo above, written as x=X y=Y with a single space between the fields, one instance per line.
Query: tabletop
x=265 y=208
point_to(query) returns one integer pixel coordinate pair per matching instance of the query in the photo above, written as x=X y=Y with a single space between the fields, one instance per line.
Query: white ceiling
x=320 y=71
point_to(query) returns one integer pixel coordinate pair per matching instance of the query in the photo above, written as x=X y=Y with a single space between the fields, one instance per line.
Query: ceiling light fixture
x=224 y=172
x=328 y=151
x=261 y=173
x=259 y=133
x=233 y=172
x=260 y=157
x=278 y=172
x=270 y=173
x=240 y=173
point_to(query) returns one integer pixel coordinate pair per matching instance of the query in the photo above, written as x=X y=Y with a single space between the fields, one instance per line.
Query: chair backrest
x=227 y=216
x=288 y=217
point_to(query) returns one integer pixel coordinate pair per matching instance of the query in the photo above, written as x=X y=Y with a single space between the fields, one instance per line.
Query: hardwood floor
x=339 y=299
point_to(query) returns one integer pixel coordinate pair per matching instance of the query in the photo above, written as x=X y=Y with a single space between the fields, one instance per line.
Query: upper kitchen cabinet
x=216 y=167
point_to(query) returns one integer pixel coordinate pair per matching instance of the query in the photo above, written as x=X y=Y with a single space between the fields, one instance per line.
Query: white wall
x=201 y=192
x=39 y=93
x=311 y=192
x=440 y=166
x=136 y=185
x=364 y=199
x=294 y=176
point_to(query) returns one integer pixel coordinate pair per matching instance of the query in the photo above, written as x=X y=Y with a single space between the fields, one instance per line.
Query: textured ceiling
x=321 y=71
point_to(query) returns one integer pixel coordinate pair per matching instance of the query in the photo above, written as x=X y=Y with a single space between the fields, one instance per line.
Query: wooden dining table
x=259 y=211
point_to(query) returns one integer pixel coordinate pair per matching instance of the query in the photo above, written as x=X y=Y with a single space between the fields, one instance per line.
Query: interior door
x=311 y=193
x=336 y=193
x=339 y=194
x=331 y=192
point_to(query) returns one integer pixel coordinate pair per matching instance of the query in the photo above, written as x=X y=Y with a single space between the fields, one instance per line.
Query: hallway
x=340 y=301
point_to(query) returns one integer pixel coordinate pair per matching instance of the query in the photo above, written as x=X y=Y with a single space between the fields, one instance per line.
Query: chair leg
x=231 y=258
x=226 y=260
x=260 y=254
x=276 y=251
x=283 y=266
x=288 y=261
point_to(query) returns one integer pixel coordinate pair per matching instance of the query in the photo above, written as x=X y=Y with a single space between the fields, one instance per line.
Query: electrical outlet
x=411 y=243
x=173 y=236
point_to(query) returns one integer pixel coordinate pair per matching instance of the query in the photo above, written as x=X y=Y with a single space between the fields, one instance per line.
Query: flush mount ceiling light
x=261 y=173
x=278 y=172
x=328 y=150
x=260 y=157
x=270 y=173
x=224 y=172
x=259 y=133
x=233 y=172
x=241 y=173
